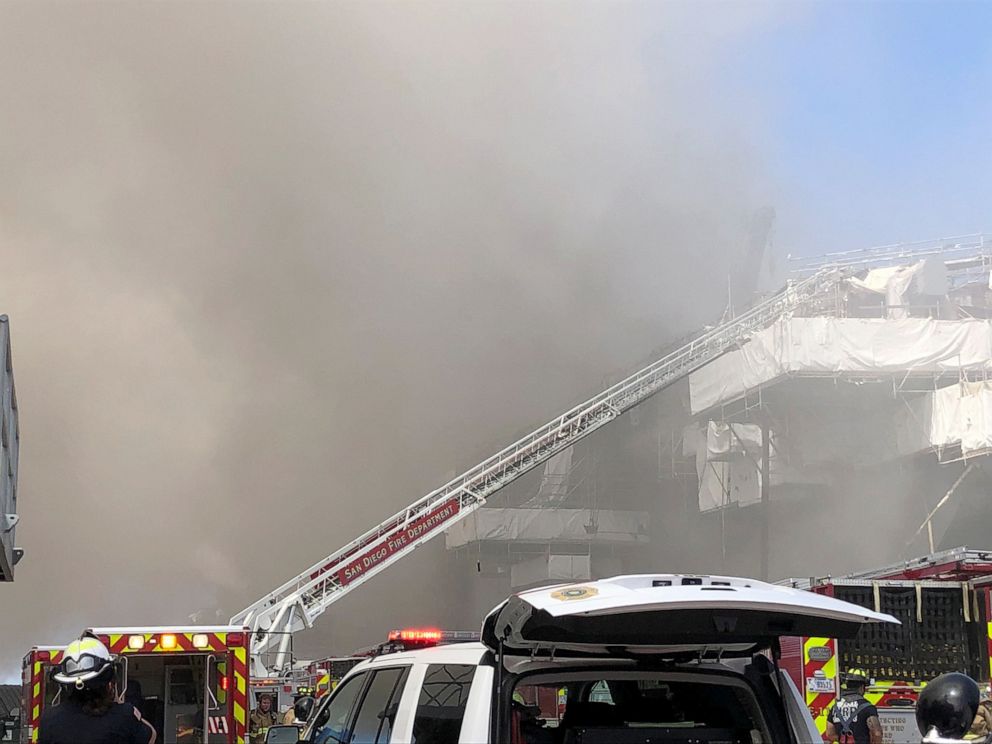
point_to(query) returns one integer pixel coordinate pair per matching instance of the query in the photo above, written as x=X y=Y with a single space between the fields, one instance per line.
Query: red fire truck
x=37 y=690
x=190 y=683
x=944 y=602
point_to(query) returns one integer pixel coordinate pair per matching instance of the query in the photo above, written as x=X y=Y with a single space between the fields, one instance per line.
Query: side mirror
x=282 y=735
x=947 y=708
x=303 y=708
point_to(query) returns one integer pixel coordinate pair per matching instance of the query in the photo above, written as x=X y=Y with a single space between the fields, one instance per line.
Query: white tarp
x=544 y=525
x=728 y=463
x=958 y=415
x=817 y=346
x=727 y=457
x=729 y=483
x=962 y=414
x=732 y=441
x=893 y=282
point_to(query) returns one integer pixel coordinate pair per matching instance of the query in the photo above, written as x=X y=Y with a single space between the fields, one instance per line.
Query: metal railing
x=964 y=255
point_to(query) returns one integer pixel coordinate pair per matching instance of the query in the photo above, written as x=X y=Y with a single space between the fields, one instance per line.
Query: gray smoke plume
x=275 y=270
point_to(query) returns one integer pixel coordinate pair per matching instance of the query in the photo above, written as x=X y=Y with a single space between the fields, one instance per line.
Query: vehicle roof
x=452 y=653
x=474 y=652
x=124 y=630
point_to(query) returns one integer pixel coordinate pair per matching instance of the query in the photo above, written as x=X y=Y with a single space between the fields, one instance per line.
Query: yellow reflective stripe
x=830 y=668
x=988 y=634
x=86 y=644
x=239 y=711
x=821 y=722
x=221 y=674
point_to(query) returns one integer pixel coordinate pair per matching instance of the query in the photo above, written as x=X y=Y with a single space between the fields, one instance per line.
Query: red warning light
x=416 y=635
x=224 y=682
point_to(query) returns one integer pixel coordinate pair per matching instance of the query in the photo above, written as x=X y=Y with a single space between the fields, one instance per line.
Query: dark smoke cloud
x=275 y=270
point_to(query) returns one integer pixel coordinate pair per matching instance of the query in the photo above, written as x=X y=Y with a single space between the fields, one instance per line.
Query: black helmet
x=854 y=678
x=949 y=704
x=303 y=708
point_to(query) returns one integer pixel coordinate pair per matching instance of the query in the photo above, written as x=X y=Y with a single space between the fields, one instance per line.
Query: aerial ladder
x=298 y=603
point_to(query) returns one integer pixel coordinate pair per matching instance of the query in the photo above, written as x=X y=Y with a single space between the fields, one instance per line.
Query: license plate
x=817 y=684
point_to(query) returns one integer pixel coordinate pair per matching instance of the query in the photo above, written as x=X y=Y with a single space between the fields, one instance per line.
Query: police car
x=628 y=660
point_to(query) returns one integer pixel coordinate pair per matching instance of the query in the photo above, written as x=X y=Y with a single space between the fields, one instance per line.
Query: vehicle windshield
x=634 y=708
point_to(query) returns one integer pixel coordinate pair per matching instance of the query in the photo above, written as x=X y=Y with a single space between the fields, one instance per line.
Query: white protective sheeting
x=727 y=463
x=962 y=415
x=548 y=525
x=732 y=441
x=958 y=415
x=817 y=346
x=892 y=282
x=724 y=484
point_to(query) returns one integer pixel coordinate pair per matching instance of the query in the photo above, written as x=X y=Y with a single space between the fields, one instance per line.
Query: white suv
x=629 y=660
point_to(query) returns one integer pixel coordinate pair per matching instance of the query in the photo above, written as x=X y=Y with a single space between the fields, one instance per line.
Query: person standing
x=294 y=716
x=852 y=719
x=981 y=727
x=89 y=713
x=261 y=719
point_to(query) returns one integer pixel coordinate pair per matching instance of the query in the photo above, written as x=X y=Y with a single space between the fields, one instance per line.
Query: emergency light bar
x=412 y=635
x=420 y=637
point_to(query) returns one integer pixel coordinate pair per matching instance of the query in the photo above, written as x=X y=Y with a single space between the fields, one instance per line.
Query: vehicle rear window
x=635 y=710
x=377 y=711
x=441 y=706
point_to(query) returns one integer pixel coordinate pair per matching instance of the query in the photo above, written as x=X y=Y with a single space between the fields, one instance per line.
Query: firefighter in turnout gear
x=852 y=719
x=947 y=708
x=303 y=703
x=261 y=719
x=89 y=712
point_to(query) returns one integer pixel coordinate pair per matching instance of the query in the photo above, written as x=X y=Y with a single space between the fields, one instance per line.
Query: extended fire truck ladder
x=956 y=564
x=300 y=601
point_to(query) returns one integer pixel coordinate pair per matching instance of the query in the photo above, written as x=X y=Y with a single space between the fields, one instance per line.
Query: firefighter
x=303 y=703
x=947 y=707
x=262 y=718
x=90 y=713
x=852 y=719
x=981 y=726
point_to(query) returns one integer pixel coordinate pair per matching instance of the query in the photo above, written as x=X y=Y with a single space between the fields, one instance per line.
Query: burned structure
x=850 y=428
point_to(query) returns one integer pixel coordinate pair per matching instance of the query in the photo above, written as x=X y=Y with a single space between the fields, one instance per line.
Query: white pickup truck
x=629 y=660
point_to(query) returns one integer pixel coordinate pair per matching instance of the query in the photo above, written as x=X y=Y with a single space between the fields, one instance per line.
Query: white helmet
x=85 y=663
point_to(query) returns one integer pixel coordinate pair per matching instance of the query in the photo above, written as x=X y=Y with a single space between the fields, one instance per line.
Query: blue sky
x=873 y=119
